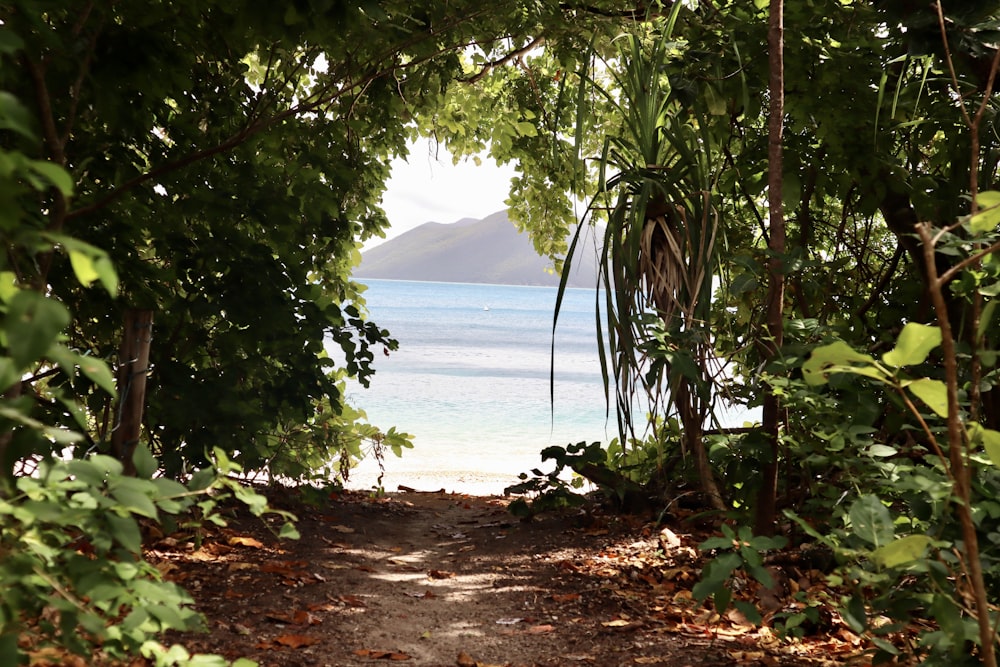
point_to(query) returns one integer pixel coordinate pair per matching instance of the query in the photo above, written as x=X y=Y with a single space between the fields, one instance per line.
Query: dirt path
x=439 y=579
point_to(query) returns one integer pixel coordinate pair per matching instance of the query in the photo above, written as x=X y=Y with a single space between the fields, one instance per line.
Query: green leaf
x=932 y=392
x=54 y=174
x=15 y=116
x=854 y=614
x=289 y=531
x=10 y=42
x=902 y=551
x=721 y=599
x=838 y=357
x=126 y=531
x=95 y=471
x=915 y=342
x=526 y=129
x=88 y=261
x=716 y=543
x=92 y=368
x=33 y=323
x=133 y=494
x=871 y=521
x=9 y=373
x=749 y=611
x=988 y=216
x=97 y=372
x=988 y=438
x=882 y=450
x=8 y=285
x=146 y=464
x=83 y=267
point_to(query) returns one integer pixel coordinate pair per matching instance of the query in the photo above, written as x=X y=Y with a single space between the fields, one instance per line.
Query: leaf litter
x=371 y=580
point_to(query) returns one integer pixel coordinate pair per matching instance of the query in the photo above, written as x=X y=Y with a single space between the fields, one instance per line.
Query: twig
x=490 y=66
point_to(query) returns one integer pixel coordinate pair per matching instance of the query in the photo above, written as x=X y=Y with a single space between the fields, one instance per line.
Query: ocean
x=471 y=382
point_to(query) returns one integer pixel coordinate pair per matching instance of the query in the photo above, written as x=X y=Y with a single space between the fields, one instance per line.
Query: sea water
x=480 y=382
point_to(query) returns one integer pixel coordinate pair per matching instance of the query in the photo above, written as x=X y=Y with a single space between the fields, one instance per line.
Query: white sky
x=431 y=189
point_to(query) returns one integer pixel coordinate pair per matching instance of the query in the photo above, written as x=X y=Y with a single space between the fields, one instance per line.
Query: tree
x=229 y=160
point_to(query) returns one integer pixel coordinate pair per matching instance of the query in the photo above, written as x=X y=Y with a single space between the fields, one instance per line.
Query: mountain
x=490 y=250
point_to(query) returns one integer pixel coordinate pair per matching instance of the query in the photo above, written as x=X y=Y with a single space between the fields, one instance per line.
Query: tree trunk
x=767 y=496
x=133 y=367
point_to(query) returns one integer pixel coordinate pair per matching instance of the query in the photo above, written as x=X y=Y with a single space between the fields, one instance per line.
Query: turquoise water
x=471 y=378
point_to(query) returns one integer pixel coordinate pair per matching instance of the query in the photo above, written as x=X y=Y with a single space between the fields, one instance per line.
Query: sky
x=429 y=188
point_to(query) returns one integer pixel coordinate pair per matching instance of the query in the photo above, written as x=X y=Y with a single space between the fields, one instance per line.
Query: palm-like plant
x=659 y=248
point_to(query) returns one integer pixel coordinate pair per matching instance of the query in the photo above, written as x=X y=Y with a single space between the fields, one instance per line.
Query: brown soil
x=447 y=579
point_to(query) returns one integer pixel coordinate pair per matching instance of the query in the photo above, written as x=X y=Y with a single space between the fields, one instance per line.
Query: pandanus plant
x=659 y=246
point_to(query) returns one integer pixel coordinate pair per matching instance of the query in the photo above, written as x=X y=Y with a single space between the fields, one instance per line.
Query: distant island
x=490 y=250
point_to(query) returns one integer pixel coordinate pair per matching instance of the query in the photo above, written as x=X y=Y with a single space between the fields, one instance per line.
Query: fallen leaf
x=296 y=641
x=465 y=660
x=746 y=656
x=382 y=655
x=540 y=629
x=426 y=595
x=440 y=574
x=351 y=600
x=342 y=529
x=617 y=623
x=241 y=541
x=167 y=568
x=285 y=568
x=569 y=597
x=335 y=545
x=669 y=539
x=237 y=566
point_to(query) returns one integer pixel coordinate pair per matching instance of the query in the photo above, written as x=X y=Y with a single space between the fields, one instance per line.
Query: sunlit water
x=471 y=380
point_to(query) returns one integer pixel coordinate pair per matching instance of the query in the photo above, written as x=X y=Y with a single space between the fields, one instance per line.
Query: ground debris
x=423 y=578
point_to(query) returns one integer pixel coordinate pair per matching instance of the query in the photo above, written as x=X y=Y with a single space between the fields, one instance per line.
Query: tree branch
x=490 y=66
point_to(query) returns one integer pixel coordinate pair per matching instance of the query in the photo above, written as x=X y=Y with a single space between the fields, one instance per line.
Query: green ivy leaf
x=915 y=342
x=988 y=216
x=932 y=392
x=902 y=551
x=871 y=521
